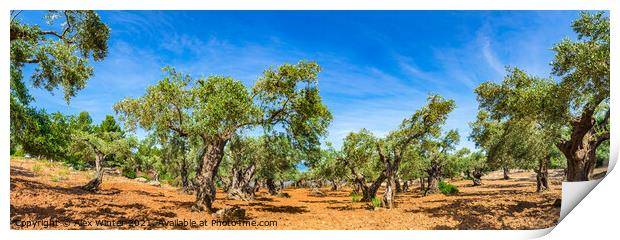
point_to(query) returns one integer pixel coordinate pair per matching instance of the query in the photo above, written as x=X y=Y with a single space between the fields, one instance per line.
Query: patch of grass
x=376 y=202
x=356 y=197
x=55 y=178
x=447 y=188
x=37 y=168
x=63 y=173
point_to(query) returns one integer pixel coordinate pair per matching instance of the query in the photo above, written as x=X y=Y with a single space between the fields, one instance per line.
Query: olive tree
x=425 y=122
x=102 y=144
x=573 y=111
x=436 y=152
x=359 y=155
x=284 y=99
x=329 y=168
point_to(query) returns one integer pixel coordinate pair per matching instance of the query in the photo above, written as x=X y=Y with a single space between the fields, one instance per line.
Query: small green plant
x=356 y=197
x=376 y=202
x=63 y=173
x=447 y=188
x=55 y=178
x=19 y=153
x=37 y=168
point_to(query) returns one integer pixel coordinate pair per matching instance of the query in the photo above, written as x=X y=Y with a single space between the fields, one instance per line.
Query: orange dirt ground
x=45 y=192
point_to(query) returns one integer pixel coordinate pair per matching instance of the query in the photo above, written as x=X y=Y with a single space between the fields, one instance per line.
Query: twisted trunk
x=335 y=185
x=391 y=169
x=368 y=191
x=434 y=175
x=271 y=186
x=406 y=186
x=580 y=149
x=542 y=175
x=184 y=175
x=240 y=187
x=476 y=175
x=93 y=185
x=206 y=173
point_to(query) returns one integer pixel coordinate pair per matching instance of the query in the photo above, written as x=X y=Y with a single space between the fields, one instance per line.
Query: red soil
x=47 y=192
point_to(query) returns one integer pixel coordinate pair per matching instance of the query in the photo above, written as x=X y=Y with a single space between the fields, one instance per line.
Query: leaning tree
x=436 y=152
x=359 y=155
x=363 y=149
x=102 y=144
x=517 y=134
x=425 y=122
x=285 y=99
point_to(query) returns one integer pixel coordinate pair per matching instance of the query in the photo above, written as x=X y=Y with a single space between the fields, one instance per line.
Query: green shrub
x=19 y=153
x=356 y=197
x=447 y=188
x=129 y=173
x=376 y=202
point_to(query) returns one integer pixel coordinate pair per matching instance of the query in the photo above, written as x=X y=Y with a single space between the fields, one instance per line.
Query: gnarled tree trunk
x=434 y=175
x=399 y=189
x=335 y=185
x=184 y=175
x=273 y=190
x=476 y=175
x=370 y=191
x=206 y=173
x=93 y=185
x=542 y=175
x=391 y=169
x=406 y=186
x=580 y=149
x=240 y=187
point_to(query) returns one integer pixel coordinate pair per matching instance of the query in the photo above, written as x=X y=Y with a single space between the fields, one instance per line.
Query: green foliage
x=55 y=178
x=60 y=57
x=129 y=173
x=329 y=167
x=356 y=197
x=602 y=154
x=376 y=202
x=447 y=188
x=525 y=117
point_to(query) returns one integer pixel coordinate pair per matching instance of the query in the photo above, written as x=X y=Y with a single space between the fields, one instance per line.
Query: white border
x=600 y=202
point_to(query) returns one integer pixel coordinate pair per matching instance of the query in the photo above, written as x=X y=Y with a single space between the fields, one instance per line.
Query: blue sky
x=377 y=66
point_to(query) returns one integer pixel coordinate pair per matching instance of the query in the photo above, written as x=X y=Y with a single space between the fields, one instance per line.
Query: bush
x=376 y=202
x=19 y=153
x=356 y=197
x=129 y=173
x=447 y=188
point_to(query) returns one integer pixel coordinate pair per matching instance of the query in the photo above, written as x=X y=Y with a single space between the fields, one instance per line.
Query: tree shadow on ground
x=19 y=171
x=283 y=209
x=470 y=215
x=324 y=201
x=141 y=192
x=342 y=208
